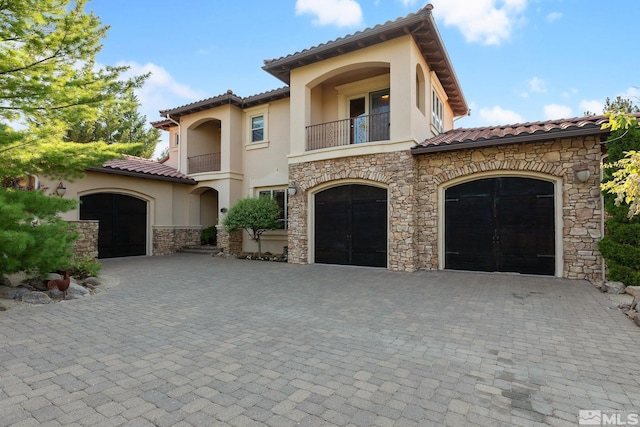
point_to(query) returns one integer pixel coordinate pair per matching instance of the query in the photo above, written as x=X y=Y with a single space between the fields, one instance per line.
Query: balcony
x=356 y=130
x=204 y=163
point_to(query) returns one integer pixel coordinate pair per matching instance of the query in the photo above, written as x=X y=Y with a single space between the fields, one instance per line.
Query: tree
x=120 y=122
x=255 y=215
x=621 y=187
x=48 y=79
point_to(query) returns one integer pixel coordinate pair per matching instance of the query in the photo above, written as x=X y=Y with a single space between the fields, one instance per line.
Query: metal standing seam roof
x=421 y=26
x=459 y=139
x=143 y=168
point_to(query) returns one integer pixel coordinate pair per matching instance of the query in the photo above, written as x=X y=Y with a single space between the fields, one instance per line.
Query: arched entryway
x=504 y=224
x=122 y=223
x=351 y=225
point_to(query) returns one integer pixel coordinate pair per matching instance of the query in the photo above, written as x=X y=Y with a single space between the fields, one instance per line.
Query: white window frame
x=437 y=112
x=264 y=192
x=252 y=113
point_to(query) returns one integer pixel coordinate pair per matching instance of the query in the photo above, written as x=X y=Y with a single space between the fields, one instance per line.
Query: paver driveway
x=195 y=340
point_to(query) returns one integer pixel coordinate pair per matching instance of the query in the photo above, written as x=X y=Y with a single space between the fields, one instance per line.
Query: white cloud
x=160 y=91
x=554 y=16
x=537 y=85
x=341 y=13
x=570 y=92
x=632 y=93
x=407 y=3
x=498 y=115
x=591 y=105
x=486 y=21
x=556 y=111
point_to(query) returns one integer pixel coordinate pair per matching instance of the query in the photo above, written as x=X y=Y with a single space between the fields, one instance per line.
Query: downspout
x=179 y=142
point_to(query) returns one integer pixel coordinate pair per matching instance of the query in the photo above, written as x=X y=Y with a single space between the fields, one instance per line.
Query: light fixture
x=61 y=189
x=292 y=190
x=582 y=173
x=224 y=210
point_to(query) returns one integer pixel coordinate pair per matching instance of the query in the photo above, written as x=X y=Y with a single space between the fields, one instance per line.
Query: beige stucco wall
x=167 y=202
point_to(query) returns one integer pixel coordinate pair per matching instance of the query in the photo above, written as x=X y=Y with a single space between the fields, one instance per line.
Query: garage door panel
x=122 y=227
x=351 y=226
x=501 y=224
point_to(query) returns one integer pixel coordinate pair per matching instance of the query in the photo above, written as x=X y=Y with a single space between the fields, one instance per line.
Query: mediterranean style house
x=359 y=149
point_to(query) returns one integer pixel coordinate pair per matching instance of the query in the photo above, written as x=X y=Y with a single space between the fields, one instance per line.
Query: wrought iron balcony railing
x=356 y=130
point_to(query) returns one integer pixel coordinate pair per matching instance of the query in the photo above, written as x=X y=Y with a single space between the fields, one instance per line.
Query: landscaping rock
x=632 y=290
x=37 y=284
x=613 y=288
x=16 y=279
x=74 y=291
x=93 y=281
x=10 y=292
x=36 y=298
x=634 y=303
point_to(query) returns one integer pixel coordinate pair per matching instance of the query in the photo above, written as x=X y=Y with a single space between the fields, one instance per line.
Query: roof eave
x=542 y=136
x=143 y=175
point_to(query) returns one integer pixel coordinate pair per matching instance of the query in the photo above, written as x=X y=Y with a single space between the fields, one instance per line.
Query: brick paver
x=190 y=340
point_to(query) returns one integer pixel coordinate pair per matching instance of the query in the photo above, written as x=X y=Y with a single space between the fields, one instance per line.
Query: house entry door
x=501 y=224
x=351 y=226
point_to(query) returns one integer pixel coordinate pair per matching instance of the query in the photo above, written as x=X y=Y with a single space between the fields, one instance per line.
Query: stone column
x=230 y=243
x=87 y=243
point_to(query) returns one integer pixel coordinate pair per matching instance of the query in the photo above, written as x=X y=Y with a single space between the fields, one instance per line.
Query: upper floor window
x=280 y=196
x=257 y=128
x=437 y=112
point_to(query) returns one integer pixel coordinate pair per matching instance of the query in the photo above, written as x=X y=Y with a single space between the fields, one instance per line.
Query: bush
x=208 y=236
x=85 y=266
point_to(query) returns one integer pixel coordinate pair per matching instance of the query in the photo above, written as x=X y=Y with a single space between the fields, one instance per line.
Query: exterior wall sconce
x=61 y=189
x=224 y=210
x=292 y=190
x=582 y=173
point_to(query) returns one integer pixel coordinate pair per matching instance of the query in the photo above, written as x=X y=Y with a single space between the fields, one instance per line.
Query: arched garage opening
x=503 y=224
x=122 y=223
x=351 y=225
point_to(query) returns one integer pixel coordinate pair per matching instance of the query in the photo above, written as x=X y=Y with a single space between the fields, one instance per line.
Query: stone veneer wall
x=169 y=239
x=413 y=183
x=581 y=203
x=87 y=243
x=395 y=171
x=230 y=243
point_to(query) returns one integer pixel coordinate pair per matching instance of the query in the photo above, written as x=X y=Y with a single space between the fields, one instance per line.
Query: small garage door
x=123 y=223
x=501 y=224
x=351 y=226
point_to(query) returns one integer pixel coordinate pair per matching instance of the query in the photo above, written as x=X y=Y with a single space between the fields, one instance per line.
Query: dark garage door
x=501 y=224
x=351 y=226
x=123 y=223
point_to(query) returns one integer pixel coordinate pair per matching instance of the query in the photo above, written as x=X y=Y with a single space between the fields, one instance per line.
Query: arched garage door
x=351 y=226
x=122 y=226
x=501 y=224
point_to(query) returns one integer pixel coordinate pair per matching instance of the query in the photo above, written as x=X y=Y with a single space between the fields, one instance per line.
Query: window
x=437 y=112
x=280 y=196
x=420 y=89
x=257 y=128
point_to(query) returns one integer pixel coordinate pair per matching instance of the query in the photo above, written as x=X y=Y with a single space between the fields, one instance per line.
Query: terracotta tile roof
x=226 y=98
x=422 y=28
x=458 y=139
x=143 y=168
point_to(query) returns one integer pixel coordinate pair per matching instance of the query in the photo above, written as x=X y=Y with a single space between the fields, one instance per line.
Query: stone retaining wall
x=169 y=239
x=230 y=243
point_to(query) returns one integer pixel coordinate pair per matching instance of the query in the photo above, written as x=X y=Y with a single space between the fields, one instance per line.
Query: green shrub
x=85 y=266
x=208 y=236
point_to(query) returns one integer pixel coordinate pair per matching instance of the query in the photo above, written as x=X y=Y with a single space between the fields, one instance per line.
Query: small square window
x=257 y=128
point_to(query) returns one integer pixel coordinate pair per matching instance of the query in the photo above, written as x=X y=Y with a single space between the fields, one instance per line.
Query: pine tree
x=48 y=79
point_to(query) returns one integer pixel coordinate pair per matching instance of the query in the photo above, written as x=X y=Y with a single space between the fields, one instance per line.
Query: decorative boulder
x=93 y=281
x=632 y=290
x=16 y=279
x=10 y=292
x=613 y=288
x=74 y=291
x=36 y=298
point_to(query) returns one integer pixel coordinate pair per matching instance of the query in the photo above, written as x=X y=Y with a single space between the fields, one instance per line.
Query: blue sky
x=516 y=60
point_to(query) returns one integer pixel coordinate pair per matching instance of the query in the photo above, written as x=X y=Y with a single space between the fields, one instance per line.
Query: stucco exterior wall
x=579 y=205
